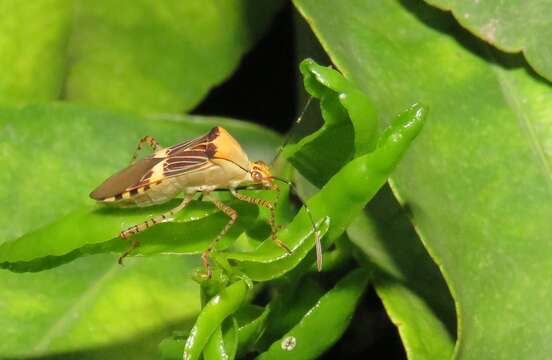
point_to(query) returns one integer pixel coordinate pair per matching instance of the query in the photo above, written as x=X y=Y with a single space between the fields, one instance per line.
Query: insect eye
x=256 y=175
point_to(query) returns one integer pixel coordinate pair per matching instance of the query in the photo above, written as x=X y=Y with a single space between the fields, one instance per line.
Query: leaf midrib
x=511 y=99
x=66 y=319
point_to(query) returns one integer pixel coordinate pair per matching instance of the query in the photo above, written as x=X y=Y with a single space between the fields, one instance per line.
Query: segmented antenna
x=317 y=241
x=294 y=189
x=297 y=122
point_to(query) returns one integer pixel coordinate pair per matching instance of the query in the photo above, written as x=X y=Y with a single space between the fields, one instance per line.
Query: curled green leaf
x=190 y=232
x=211 y=317
x=251 y=325
x=332 y=312
x=349 y=129
x=223 y=344
x=339 y=201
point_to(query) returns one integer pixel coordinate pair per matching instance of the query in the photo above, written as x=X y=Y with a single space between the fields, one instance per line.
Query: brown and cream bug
x=211 y=162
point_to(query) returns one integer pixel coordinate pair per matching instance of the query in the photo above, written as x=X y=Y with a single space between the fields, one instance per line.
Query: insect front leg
x=125 y=234
x=233 y=214
x=272 y=221
x=145 y=140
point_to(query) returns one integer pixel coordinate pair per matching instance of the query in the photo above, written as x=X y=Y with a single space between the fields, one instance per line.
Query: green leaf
x=223 y=344
x=190 y=232
x=333 y=311
x=478 y=178
x=409 y=283
x=224 y=304
x=349 y=129
x=33 y=41
x=510 y=26
x=269 y=261
x=94 y=304
x=341 y=199
x=251 y=325
x=291 y=299
x=148 y=56
x=171 y=348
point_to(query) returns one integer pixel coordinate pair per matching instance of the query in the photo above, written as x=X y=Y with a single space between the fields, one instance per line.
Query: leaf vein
x=70 y=315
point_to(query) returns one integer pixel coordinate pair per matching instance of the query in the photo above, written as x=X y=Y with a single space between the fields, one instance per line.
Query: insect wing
x=179 y=159
x=124 y=179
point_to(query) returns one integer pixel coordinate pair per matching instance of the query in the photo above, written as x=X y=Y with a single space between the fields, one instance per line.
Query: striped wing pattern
x=183 y=158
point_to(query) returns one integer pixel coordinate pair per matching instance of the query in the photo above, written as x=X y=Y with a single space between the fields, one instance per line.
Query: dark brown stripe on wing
x=211 y=150
x=178 y=147
x=213 y=134
x=200 y=144
x=188 y=145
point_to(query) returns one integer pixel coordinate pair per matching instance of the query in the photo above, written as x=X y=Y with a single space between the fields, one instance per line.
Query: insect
x=207 y=163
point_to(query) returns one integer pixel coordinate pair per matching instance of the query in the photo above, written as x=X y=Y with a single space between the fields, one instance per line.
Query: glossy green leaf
x=349 y=129
x=94 y=304
x=225 y=340
x=408 y=282
x=341 y=199
x=211 y=317
x=332 y=312
x=291 y=299
x=170 y=348
x=148 y=56
x=478 y=179
x=33 y=39
x=190 y=232
x=223 y=344
x=510 y=26
x=251 y=325
x=269 y=261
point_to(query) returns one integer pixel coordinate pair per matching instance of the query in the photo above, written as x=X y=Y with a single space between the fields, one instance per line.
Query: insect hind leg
x=233 y=214
x=145 y=140
x=125 y=234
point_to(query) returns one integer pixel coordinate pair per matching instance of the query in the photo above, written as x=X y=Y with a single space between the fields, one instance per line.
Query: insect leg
x=145 y=140
x=233 y=214
x=125 y=234
x=270 y=206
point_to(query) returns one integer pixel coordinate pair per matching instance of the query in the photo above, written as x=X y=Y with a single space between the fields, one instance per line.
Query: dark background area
x=271 y=69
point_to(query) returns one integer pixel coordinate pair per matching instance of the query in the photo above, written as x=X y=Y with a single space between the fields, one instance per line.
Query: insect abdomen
x=146 y=195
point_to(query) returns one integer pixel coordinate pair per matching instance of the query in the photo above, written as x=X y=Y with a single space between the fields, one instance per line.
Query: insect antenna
x=318 y=243
x=294 y=189
x=288 y=136
x=232 y=161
